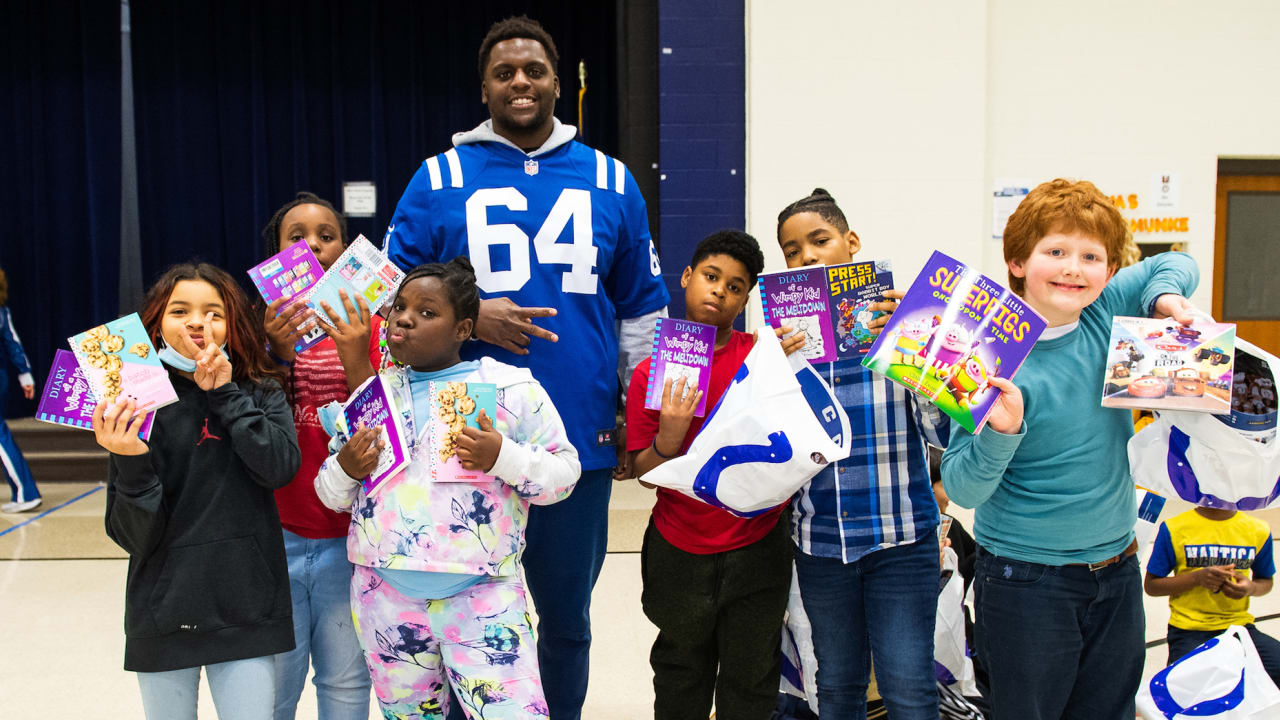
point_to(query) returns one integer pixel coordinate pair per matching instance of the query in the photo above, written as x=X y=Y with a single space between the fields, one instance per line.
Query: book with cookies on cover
x=454 y=407
x=118 y=359
x=67 y=399
x=830 y=304
x=371 y=405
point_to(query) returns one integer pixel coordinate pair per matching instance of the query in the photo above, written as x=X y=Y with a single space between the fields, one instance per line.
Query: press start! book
x=1164 y=365
x=681 y=349
x=954 y=330
x=118 y=359
x=829 y=304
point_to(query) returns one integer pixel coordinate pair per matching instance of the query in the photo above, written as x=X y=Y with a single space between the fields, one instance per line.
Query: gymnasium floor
x=62 y=597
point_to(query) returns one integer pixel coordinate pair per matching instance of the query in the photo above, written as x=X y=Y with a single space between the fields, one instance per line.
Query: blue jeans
x=1060 y=641
x=882 y=607
x=565 y=551
x=320 y=585
x=241 y=690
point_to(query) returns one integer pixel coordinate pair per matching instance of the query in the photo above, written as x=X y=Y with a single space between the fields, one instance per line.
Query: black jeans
x=719 y=619
x=1182 y=642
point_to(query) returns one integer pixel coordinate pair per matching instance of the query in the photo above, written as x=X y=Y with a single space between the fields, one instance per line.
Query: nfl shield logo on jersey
x=530 y=167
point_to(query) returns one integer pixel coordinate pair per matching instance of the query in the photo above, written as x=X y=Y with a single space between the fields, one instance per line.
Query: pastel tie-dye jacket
x=413 y=523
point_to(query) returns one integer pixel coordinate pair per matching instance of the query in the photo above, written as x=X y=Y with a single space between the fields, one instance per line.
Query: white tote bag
x=951 y=662
x=774 y=428
x=1222 y=678
x=1206 y=461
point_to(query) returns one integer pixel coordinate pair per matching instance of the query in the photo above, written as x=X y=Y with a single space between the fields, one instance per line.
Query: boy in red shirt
x=715 y=584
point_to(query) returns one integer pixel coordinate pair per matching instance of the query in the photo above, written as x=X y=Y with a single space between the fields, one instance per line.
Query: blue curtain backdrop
x=59 y=171
x=237 y=106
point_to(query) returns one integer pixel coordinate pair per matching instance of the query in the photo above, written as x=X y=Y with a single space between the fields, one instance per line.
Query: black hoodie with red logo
x=208 y=581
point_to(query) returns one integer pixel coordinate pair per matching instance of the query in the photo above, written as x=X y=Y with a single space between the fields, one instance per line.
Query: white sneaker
x=18 y=507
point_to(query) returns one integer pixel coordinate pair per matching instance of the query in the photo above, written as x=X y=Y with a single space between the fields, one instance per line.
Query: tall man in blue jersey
x=556 y=231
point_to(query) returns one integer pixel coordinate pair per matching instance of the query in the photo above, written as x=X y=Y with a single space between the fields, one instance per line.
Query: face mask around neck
x=176 y=360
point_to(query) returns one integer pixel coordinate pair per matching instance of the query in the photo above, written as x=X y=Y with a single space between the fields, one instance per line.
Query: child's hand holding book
x=679 y=403
x=359 y=456
x=287 y=320
x=1006 y=413
x=478 y=447
x=116 y=427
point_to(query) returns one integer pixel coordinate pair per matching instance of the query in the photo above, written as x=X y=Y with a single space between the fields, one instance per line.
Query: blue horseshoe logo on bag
x=708 y=478
x=1170 y=707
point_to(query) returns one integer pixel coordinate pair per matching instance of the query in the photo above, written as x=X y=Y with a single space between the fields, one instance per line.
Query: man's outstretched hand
x=510 y=327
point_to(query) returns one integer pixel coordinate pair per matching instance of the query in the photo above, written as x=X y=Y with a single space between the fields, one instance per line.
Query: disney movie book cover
x=67 y=399
x=681 y=349
x=292 y=271
x=829 y=304
x=456 y=406
x=1160 y=364
x=118 y=359
x=954 y=330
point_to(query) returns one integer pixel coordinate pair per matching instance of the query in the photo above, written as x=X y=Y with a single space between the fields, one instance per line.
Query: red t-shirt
x=317 y=379
x=689 y=524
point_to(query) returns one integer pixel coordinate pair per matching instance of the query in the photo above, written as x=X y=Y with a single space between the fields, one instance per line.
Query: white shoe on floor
x=18 y=507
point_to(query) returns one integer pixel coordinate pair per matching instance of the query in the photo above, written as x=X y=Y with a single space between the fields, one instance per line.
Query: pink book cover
x=117 y=358
x=292 y=271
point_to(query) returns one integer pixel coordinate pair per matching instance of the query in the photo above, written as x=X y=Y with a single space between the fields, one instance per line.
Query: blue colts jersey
x=566 y=229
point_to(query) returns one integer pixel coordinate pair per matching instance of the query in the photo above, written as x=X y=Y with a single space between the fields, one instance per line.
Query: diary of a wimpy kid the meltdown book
x=954 y=330
x=681 y=348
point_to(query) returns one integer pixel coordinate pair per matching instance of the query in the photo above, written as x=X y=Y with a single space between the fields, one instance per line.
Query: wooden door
x=1246 y=258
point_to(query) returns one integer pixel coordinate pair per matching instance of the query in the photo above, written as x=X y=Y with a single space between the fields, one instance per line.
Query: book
x=1160 y=364
x=829 y=304
x=67 y=399
x=291 y=272
x=954 y=330
x=361 y=270
x=371 y=405
x=118 y=359
x=681 y=349
x=455 y=406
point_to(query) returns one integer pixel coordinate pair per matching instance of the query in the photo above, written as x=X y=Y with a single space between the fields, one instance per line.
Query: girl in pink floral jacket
x=436 y=593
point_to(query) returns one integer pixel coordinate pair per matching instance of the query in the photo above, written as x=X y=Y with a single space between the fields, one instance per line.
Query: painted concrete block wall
x=908 y=112
x=702 y=83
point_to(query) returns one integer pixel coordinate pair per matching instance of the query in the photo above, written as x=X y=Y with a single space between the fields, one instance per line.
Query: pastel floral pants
x=480 y=641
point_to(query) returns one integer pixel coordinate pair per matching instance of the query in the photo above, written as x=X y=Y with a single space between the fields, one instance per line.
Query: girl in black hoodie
x=208 y=585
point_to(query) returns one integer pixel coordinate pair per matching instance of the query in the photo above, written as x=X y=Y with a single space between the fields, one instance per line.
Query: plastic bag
x=1230 y=462
x=951 y=661
x=776 y=426
x=799 y=665
x=1222 y=678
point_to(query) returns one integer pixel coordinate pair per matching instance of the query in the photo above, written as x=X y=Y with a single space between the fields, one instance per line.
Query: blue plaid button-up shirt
x=880 y=496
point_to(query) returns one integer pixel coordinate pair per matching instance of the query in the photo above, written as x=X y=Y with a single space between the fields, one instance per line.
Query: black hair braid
x=819 y=201
x=459 y=280
x=271 y=231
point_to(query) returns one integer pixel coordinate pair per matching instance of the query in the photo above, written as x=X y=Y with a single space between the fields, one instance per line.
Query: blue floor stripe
x=81 y=496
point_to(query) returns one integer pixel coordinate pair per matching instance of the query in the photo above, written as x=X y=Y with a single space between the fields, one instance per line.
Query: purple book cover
x=292 y=271
x=67 y=398
x=681 y=348
x=798 y=298
x=954 y=330
x=372 y=406
x=851 y=289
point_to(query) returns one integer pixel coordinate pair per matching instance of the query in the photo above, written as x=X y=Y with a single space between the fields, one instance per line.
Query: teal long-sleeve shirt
x=1059 y=491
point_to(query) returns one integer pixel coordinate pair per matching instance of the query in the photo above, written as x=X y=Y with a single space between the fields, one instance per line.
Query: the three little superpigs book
x=1162 y=365
x=954 y=330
